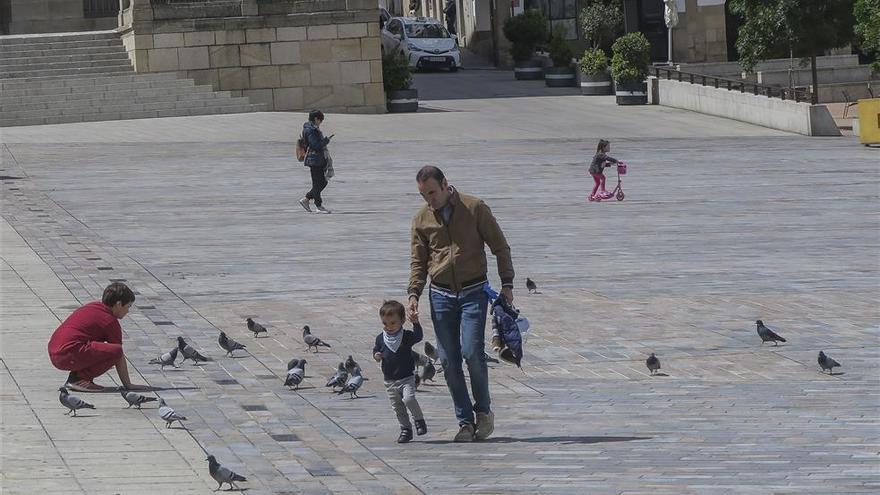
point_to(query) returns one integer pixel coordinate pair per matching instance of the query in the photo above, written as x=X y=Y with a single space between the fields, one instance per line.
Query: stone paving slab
x=715 y=232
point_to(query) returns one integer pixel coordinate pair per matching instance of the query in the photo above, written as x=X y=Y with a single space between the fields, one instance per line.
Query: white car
x=423 y=41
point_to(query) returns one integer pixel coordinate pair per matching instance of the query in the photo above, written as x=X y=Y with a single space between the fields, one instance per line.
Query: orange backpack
x=302 y=148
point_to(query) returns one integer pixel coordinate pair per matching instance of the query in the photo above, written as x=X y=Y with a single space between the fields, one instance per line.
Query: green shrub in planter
x=397 y=79
x=594 y=61
x=525 y=31
x=594 y=73
x=562 y=73
x=629 y=67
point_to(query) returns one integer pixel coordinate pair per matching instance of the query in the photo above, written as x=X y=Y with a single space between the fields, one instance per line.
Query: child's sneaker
x=595 y=198
x=421 y=427
x=607 y=195
x=405 y=435
x=496 y=343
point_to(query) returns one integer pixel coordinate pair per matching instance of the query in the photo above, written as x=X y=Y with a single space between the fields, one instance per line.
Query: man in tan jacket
x=449 y=235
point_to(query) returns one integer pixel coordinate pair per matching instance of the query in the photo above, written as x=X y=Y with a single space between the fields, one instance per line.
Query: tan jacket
x=454 y=255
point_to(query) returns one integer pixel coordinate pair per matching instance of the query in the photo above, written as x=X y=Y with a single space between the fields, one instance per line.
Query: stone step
x=73 y=92
x=124 y=107
x=733 y=69
x=804 y=77
x=64 y=73
x=84 y=104
x=9 y=62
x=184 y=112
x=24 y=39
x=59 y=45
x=108 y=98
x=62 y=51
x=87 y=80
x=36 y=65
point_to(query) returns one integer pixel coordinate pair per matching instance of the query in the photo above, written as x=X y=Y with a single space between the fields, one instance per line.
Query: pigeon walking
x=428 y=372
x=72 y=402
x=189 y=352
x=296 y=374
x=256 y=328
x=166 y=359
x=353 y=384
x=767 y=335
x=420 y=359
x=431 y=351
x=339 y=377
x=229 y=345
x=826 y=363
x=531 y=286
x=134 y=398
x=293 y=363
x=652 y=363
x=223 y=475
x=351 y=366
x=169 y=414
x=311 y=340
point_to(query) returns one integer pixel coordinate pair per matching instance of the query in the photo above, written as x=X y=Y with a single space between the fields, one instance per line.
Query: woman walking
x=316 y=160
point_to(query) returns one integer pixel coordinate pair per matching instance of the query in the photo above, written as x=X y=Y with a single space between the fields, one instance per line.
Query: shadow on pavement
x=564 y=440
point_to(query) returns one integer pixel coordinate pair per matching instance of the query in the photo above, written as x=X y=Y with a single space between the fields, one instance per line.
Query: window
x=426 y=31
x=559 y=12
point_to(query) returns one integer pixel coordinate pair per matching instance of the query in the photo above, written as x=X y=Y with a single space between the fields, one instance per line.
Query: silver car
x=423 y=41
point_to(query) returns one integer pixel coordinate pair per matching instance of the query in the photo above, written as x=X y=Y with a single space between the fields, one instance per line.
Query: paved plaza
x=723 y=223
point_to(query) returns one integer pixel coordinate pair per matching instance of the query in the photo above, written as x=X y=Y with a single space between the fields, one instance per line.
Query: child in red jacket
x=89 y=342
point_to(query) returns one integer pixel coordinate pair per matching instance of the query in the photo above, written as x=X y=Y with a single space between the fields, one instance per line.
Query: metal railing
x=798 y=95
x=100 y=8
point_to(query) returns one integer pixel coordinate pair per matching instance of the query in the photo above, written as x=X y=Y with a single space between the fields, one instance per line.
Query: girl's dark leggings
x=319 y=182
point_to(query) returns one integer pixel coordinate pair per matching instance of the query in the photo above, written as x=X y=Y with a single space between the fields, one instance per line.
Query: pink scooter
x=617 y=192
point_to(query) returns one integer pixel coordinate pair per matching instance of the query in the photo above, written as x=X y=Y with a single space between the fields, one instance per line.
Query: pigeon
x=228 y=344
x=428 y=372
x=134 y=398
x=189 y=353
x=652 y=363
x=767 y=335
x=296 y=374
x=420 y=359
x=351 y=365
x=311 y=340
x=256 y=328
x=72 y=402
x=827 y=363
x=532 y=286
x=490 y=359
x=166 y=359
x=431 y=351
x=339 y=377
x=169 y=414
x=223 y=475
x=353 y=384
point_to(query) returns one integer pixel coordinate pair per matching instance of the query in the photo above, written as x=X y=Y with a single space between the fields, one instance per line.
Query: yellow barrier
x=869 y=121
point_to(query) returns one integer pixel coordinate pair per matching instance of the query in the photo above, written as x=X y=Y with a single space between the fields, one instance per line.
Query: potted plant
x=562 y=73
x=525 y=31
x=397 y=79
x=629 y=68
x=595 y=79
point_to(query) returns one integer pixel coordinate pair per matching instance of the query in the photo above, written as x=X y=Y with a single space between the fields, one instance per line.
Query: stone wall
x=290 y=55
x=701 y=34
x=51 y=16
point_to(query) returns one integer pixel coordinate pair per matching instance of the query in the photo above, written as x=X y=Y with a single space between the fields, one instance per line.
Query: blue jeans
x=460 y=325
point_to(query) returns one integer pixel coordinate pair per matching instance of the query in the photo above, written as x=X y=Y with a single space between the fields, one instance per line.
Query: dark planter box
x=631 y=93
x=596 y=84
x=559 y=77
x=529 y=70
x=404 y=100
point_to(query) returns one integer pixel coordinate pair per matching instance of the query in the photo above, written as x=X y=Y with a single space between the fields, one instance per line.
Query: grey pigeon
x=72 y=402
x=767 y=335
x=256 y=328
x=311 y=340
x=420 y=359
x=223 y=475
x=353 y=384
x=295 y=375
x=652 y=363
x=166 y=359
x=189 y=353
x=489 y=359
x=228 y=344
x=351 y=366
x=169 y=414
x=826 y=363
x=293 y=363
x=428 y=372
x=339 y=377
x=431 y=351
x=532 y=286
x=134 y=398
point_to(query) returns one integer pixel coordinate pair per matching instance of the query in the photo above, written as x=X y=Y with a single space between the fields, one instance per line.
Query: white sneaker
x=321 y=209
x=305 y=204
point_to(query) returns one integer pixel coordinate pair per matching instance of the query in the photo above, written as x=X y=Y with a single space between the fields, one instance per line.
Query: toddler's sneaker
x=496 y=343
x=405 y=435
x=421 y=427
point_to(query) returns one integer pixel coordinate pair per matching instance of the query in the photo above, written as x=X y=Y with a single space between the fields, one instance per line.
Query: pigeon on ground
x=490 y=359
x=72 y=402
x=428 y=372
x=169 y=414
x=652 y=363
x=339 y=377
x=296 y=374
x=256 y=328
x=767 y=335
x=431 y=351
x=532 y=286
x=827 y=363
x=166 y=359
x=223 y=475
x=189 y=353
x=228 y=344
x=353 y=384
x=311 y=340
x=420 y=359
x=351 y=365
x=134 y=398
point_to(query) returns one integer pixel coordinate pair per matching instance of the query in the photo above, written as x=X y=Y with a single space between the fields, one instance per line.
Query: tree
x=601 y=21
x=867 y=29
x=805 y=27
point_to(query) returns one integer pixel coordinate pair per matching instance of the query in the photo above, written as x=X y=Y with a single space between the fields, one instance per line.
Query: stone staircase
x=83 y=77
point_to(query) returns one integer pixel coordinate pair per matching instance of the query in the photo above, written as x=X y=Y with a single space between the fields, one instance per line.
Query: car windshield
x=426 y=31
